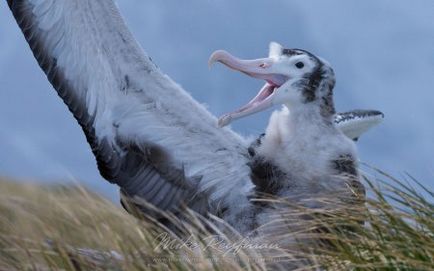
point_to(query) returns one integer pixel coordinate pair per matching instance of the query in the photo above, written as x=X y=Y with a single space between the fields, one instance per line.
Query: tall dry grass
x=56 y=227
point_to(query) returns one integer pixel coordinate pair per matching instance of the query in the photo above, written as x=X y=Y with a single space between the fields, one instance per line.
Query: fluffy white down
x=304 y=151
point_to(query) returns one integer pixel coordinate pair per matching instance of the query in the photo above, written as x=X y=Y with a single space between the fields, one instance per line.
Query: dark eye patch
x=299 y=65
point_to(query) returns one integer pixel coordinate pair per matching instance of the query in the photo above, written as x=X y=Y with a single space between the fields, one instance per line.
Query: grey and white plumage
x=148 y=135
x=356 y=122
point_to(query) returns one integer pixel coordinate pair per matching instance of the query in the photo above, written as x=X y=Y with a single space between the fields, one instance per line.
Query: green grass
x=69 y=228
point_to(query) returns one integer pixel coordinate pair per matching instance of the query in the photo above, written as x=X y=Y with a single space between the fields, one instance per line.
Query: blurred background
x=382 y=53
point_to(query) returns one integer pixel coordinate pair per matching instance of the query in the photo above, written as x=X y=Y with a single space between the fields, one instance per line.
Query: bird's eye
x=299 y=65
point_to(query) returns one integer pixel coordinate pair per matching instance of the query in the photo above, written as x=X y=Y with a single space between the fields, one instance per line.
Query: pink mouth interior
x=259 y=69
x=265 y=92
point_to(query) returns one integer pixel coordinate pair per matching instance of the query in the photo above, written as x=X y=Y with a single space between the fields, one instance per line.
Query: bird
x=303 y=154
x=164 y=149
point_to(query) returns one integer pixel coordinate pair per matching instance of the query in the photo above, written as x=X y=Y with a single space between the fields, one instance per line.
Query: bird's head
x=294 y=77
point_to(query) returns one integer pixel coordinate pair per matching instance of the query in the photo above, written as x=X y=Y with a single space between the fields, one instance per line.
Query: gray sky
x=382 y=53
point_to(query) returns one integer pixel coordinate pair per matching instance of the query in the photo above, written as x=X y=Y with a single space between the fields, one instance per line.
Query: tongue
x=259 y=103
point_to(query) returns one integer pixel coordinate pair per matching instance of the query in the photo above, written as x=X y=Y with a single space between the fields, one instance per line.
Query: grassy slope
x=41 y=228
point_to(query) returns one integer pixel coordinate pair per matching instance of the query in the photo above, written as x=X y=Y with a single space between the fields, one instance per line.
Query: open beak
x=259 y=68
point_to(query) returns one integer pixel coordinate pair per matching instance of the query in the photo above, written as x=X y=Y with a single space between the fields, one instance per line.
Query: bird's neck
x=309 y=141
x=308 y=120
x=298 y=130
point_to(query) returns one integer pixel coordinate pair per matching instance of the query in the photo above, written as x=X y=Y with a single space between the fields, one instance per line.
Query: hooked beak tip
x=211 y=61
x=217 y=56
x=224 y=120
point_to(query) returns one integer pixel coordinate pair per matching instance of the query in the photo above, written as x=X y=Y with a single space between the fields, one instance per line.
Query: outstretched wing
x=147 y=134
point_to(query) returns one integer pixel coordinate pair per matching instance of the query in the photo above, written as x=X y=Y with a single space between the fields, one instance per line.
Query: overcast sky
x=382 y=53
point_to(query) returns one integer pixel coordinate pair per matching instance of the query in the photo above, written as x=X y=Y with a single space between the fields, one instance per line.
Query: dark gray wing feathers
x=131 y=167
